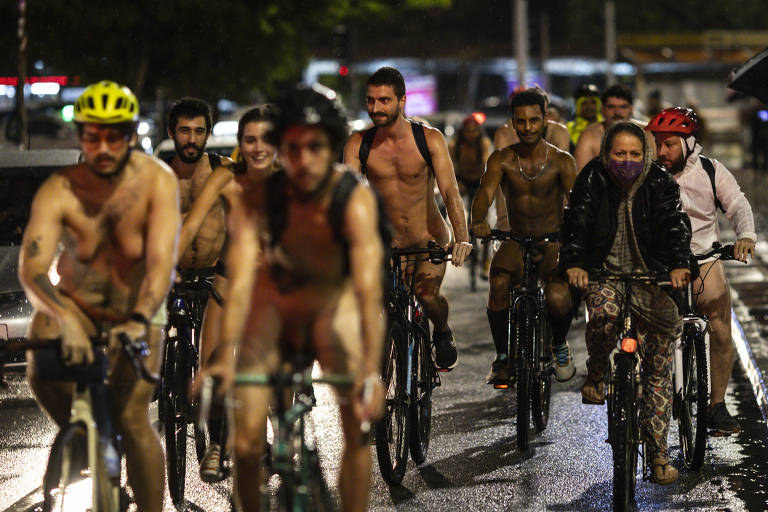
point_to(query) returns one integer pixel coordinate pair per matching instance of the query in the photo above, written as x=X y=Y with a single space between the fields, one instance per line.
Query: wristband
x=140 y=318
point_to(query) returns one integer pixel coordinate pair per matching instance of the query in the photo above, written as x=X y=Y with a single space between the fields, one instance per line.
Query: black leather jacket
x=662 y=228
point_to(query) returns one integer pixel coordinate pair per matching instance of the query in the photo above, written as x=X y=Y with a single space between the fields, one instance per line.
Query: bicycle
x=691 y=377
x=89 y=434
x=624 y=391
x=176 y=408
x=529 y=341
x=293 y=455
x=408 y=372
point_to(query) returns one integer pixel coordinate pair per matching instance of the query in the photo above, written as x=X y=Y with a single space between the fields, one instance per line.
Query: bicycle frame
x=690 y=317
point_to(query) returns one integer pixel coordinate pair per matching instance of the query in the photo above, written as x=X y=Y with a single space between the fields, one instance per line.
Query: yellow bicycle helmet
x=107 y=102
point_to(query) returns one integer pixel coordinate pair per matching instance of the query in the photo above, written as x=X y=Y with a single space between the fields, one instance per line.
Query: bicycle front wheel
x=422 y=371
x=175 y=419
x=542 y=381
x=392 y=429
x=623 y=418
x=523 y=338
x=695 y=397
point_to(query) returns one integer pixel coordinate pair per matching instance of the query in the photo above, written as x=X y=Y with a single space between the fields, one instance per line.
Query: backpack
x=709 y=168
x=418 y=134
x=277 y=218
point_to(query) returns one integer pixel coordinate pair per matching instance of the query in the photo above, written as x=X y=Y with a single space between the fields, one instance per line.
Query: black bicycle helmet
x=314 y=105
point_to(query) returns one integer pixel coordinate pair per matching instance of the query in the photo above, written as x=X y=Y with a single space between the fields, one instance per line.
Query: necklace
x=541 y=170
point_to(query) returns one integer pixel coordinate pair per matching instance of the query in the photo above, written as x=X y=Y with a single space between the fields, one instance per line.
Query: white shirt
x=699 y=202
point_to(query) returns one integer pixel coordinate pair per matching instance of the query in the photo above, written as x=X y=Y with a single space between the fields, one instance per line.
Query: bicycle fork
x=703 y=326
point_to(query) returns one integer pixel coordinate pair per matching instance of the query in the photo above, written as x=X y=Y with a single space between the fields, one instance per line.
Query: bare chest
x=403 y=164
x=108 y=227
x=309 y=244
x=528 y=180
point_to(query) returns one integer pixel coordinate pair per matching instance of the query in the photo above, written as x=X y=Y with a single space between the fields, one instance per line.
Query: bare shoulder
x=594 y=130
x=59 y=182
x=433 y=134
x=557 y=127
x=154 y=169
x=500 y=155
x=355 y=139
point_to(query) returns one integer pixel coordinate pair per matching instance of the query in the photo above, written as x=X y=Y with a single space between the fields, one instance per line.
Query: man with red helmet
x=676 y=131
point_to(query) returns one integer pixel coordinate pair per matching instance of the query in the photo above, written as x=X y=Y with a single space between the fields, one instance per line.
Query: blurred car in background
x=21 y=173
x=46 y=128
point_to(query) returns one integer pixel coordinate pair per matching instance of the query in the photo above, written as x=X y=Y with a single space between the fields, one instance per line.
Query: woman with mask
x=625 y=215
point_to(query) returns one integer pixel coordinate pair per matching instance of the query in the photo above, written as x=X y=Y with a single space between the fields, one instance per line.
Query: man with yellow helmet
x=588 y=106
x=116 y=217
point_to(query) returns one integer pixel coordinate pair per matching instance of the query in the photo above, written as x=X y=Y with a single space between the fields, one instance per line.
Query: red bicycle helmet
x=678 y=120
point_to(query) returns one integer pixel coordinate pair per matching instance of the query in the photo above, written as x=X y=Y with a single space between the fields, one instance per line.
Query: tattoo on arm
x=33 y=250
x=42 y=281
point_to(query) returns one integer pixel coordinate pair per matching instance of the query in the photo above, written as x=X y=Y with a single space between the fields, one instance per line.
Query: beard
x=188 y=159
x=382 y=119
x=115 y=172
x=675 y=166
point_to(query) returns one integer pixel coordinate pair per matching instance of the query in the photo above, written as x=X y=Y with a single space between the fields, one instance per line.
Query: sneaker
x=721 y=421
x=446 y=357
x=564 y=367
x=499 y=374
x=210 y=466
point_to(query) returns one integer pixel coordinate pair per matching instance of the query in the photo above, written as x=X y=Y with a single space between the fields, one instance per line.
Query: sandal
x=593 y=391
x=662 y=472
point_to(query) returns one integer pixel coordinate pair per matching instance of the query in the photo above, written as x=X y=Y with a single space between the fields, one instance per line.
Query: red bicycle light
x=629 y=344
x=501 y=386
x=479 y=117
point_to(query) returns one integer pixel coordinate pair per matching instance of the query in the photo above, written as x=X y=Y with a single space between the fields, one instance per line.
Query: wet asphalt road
x=473 y=462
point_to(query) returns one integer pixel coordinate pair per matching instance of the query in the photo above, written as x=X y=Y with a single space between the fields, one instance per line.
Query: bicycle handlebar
x=435 y=254
x=725 y=252
x=202 y=285
x=500 y=234
x=652 y=279
x=136 y=350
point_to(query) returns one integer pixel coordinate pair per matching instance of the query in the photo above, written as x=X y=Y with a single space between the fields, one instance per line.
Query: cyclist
x=625 y=215
x=555 y=133
x=616 y=106
x=401 y=172
x=469 y=151
x=257 y=156
x=535 y=177
x=116 y=217
x=677 y=131
x=316 y=288
x=588 y=106
x=189 y=125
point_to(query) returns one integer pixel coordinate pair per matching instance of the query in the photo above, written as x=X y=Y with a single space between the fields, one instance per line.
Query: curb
x=744 y=350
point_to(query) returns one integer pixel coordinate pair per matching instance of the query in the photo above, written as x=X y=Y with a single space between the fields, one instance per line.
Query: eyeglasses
x=113 y=139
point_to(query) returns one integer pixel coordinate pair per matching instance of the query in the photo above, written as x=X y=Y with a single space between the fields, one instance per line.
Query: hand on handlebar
x=680 y=277
x=742 y=248
x=75 y=345
x=221 y=368
x=369 y=399
x=132 y=329
x=459 y=252
x=578 y=277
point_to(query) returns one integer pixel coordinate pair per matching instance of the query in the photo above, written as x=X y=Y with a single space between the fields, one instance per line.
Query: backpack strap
x=365 y=148
x=338 y=207
x=709 y=168
x=277 y=212
x=421 y=143
x=215 y=160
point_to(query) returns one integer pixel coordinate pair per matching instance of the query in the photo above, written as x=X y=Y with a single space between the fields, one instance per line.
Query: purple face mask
x=626 y=171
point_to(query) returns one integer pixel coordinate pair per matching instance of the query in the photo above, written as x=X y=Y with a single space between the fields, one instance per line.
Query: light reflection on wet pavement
x=473 y=461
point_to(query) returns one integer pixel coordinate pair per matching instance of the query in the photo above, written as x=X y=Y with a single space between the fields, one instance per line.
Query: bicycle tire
x=320 y=496
x=473 y=260
x=542 y=381
x=392 y=428
x=175 y=419
x=523 y=334
x=422 y=370
x=695 y=397
x=623 y=415
x=61 y=472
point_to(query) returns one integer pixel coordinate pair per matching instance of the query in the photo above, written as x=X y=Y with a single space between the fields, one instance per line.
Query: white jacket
x=699 y=202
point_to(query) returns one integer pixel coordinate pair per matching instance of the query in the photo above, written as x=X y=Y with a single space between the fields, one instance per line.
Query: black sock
x=498 y=320
x=560 y=327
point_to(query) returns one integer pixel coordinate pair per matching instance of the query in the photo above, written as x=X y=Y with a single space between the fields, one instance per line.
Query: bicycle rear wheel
x=523 y=333
x=542 y=381
x=422 y=371
x=695 y=397
x=623 y=417
x=392 y=428
x=175 y=418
